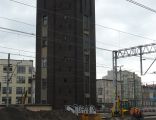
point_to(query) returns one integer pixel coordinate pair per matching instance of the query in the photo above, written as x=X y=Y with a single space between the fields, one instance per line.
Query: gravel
x=17 y=113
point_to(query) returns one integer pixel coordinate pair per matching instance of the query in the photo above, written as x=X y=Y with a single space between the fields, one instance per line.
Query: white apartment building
x=129 y=87
x=130 y=84
x=20 y=74
x=106 y=90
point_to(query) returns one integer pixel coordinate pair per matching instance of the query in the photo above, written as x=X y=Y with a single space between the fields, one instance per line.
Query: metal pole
x=115 y=77
x=116 y=86
x=134 y=90
x=7 y=89
x=141 y=69
x=121 y=82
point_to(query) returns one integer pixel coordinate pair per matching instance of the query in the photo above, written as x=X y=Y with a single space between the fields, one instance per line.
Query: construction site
x=62 y=73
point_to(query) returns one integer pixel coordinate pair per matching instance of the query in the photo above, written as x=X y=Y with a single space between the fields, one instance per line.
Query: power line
x=23 y=3
x=141 y=5
x=5 y=18
x=104 y=49
x=53 y=31
x=56 y=13
x=34 y=35
x=18 y=31
x=16 y=49
x=18 y=54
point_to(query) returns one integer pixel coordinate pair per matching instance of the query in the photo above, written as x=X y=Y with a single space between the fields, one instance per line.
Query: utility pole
x=8 y=79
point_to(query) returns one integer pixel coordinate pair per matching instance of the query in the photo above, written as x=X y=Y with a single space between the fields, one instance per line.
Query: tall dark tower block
x=65 y=53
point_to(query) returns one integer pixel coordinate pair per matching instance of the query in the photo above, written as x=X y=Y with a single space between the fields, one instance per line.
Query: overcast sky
x=116 y=14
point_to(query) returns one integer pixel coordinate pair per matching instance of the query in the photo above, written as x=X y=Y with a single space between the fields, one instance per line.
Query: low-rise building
x=129 y=87
x=149 y=95
x=106 y=92
x=20 y=80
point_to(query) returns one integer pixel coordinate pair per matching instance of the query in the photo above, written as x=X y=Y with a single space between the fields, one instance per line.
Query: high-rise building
x=65 y=52
x=20 y=74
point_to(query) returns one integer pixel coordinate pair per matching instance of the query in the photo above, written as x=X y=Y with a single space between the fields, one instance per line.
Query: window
x=4 y=100
x=86 y=84
x=86 y=43
x=4 y=79
x=29 y=90
x=44 y=62
x=86 y=23
x=44 y=42
x=45 y=20
x=30 y=70
x=5 y=68
x=44 y=31
x=21 y=69
x=86 y=63
x=67 y=37
x=100 y=91
x=20 y=79
x=18 y=100
x=4 y=90
x=19 y=90
x=29 y=79
x=44 y=83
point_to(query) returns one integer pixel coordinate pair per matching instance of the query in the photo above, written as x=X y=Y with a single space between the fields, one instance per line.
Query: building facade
x=130 y=85
x=105 y=91
x=20 y=74
x=149 y=95
x=65 y=52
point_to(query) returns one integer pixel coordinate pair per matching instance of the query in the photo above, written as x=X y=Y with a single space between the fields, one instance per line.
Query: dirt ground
x=12 y=113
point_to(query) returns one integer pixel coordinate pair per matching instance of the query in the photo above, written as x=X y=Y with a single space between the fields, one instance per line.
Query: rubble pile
x=16 y=113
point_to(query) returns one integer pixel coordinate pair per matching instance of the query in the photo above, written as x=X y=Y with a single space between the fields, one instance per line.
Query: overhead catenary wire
x=15 y=54
x=52 y=31
x=21 y=50
x=100 y=25
x=18 y=31
x=12 y=32
x=141 y=5
x=108 y=50
x=14 y=20
x=71 y=17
